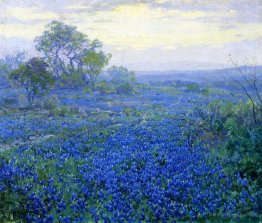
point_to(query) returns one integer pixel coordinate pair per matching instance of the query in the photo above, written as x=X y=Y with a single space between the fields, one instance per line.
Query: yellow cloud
x=161 y=1
x=139 y=26
x=76 y=7
x=136 y=10
x=144 y=10
x=28 y=14
x=25 y=31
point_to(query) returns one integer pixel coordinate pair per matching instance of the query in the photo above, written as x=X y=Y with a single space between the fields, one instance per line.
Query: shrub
x=87 y=90
x=239 y=138
x=193 y=87
x=103 y=87
x=73 y=80
x=122 y=79
x=124 y=88
x=48 y=103
x=12 y=99
x=244 y=142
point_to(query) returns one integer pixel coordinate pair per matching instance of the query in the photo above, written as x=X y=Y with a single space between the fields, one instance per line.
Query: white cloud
x=30 y=14
x=76 y=7
x=140 y=26
x=158 y=29
x=18 y=30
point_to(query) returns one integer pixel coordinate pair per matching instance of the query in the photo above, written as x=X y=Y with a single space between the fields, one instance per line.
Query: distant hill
x=197 y=76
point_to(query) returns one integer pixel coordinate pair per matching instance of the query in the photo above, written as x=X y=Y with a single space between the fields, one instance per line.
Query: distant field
x=98 y=158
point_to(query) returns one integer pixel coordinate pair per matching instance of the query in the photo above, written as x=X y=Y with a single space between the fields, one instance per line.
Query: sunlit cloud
x=155 y=27
x=30 y=14
x=17 y=30
x=76 y=7
x=143 y=27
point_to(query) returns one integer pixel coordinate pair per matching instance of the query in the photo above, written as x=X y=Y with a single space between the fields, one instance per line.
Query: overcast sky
x=145 y=34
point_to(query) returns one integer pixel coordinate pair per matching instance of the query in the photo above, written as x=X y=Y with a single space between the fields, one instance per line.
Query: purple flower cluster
x=20 y=128
x=139 y=174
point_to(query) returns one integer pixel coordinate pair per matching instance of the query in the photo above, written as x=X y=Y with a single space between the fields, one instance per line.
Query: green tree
x=94 y=63
x=122 y=79
x=63 y=47
x=34 y=77
x=8 y=64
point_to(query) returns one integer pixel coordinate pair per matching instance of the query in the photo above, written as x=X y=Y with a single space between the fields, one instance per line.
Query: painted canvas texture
x=130 y=111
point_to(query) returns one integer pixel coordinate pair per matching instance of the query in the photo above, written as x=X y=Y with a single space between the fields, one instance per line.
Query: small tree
x=34 y=77
x=94 y=64
x=8 y=64
x=122 y=79
x=249 y=81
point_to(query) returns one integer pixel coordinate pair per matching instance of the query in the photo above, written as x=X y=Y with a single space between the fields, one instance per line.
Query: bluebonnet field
x=81 y=144
x=123 y=161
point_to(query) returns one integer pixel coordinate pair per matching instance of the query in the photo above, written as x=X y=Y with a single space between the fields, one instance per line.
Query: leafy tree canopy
x=64 y=46
x=34 y=77
x=94 y=63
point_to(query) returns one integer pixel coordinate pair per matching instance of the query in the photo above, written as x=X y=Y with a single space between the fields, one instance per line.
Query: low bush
x=238 y=135
x=12 y=99
x=48 y=103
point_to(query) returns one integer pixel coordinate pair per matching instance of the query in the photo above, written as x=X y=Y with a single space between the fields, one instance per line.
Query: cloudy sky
x=145 y=34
